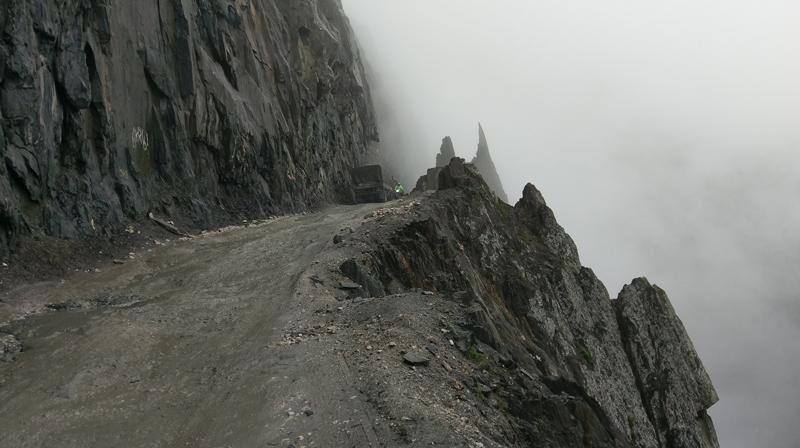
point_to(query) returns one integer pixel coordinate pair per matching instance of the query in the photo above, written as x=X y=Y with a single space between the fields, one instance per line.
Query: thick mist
x=664 y=135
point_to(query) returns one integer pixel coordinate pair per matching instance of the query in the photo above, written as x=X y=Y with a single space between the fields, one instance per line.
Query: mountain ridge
x=492 y=333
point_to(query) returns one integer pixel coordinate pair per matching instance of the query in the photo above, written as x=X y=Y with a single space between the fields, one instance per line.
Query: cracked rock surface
x=676 y=390
x=200 y=110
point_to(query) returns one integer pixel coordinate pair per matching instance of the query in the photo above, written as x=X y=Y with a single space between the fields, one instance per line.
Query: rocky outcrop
x=482 y=163
x=570 y=366
x=201 y=110
x=446 y=153
x=675 y=388
x=485 y=165
x=430 y=180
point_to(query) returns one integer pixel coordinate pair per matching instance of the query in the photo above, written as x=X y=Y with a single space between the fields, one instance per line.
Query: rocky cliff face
x=203 y=109
x=565 y=365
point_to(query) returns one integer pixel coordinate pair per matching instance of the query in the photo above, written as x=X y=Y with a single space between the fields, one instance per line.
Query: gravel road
x=186 y=345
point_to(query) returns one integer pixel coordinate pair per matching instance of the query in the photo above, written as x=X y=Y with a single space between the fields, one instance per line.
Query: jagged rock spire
x=483 y=161
x=446 y=153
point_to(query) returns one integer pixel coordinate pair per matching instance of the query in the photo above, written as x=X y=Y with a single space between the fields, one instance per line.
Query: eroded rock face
x=200 y=109
x=549 y=321
x=675 y=388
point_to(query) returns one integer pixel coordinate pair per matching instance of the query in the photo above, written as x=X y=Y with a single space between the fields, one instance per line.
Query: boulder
x=417 y=359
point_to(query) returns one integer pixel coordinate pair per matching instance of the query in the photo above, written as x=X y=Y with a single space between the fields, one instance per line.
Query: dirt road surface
x=186 y=346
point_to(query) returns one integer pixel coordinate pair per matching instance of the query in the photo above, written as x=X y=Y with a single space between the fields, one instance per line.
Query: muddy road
x=186 y=346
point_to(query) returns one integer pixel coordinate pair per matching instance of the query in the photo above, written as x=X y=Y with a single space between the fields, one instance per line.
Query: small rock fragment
x=484 y=389
x=349 y=285
x=9 y=347
x=416 y=359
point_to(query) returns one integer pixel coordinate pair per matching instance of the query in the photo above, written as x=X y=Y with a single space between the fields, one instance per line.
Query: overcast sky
x=664 y=134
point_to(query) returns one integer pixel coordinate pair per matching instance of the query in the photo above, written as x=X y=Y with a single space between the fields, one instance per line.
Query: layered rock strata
x=201 y=110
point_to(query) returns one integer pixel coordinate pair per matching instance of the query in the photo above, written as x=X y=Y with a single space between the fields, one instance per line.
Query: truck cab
x=369 y=185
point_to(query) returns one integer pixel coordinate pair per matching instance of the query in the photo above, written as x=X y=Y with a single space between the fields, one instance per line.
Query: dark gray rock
x=485 y=165
x=195 y=110
x=355 y=271
x=9 y=347
x=675 y=387
x=429 y=181
x=538 y=218
x=417 y=359
x=446 y=153
x=349 y=286
x=454 y=175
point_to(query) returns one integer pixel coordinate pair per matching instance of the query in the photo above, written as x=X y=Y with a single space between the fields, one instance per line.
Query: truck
x=369 y=185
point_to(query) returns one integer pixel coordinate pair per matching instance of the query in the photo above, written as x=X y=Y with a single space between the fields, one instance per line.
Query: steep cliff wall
x=201 y=109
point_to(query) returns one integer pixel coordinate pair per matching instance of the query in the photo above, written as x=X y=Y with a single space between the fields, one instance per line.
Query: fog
x=665 y=136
